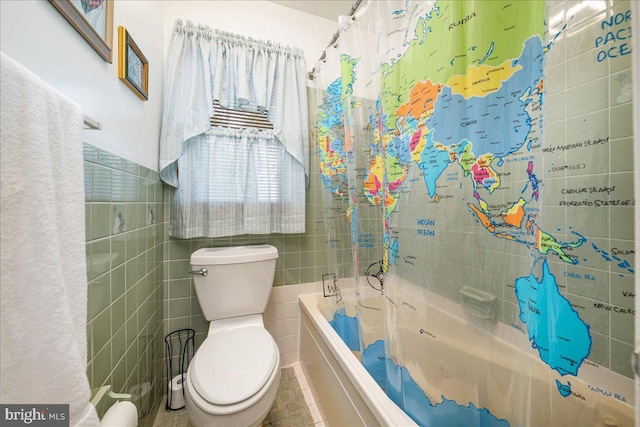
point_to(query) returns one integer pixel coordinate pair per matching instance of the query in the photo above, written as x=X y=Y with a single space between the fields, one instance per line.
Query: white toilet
x=233 y=377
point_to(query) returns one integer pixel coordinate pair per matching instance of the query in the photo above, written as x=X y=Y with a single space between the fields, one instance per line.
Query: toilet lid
x=233 y=365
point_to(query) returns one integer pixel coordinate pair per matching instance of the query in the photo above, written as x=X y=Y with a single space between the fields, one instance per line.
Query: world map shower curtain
x=472 y=155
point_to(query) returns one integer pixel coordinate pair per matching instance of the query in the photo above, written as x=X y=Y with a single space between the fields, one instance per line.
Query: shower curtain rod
x=354 y=7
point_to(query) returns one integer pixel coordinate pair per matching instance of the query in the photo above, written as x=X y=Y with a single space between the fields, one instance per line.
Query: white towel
x=43 y=282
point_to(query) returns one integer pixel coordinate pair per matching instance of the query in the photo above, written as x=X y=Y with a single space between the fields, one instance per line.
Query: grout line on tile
x=308 y=396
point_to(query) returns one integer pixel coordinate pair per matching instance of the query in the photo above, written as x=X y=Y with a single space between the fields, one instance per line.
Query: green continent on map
x=546 y=243
x=554 y=327
x=348 y=76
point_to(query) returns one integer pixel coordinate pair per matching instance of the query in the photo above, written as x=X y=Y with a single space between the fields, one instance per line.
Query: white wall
x=36 y=35
x=257 y=19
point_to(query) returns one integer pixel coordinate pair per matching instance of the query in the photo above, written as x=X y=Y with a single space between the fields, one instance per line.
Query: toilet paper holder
x=179 y=348
x=105 y=397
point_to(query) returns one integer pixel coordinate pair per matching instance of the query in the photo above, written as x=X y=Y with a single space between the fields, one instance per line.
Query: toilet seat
x=232 y=369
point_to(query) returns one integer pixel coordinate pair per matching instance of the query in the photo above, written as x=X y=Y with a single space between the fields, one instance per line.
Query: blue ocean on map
x=396 y=381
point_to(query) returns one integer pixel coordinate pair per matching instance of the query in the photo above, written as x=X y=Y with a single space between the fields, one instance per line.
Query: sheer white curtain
x=204 y=65
x=236 y=181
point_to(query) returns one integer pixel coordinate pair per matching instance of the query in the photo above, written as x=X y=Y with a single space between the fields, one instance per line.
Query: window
x=243 y=170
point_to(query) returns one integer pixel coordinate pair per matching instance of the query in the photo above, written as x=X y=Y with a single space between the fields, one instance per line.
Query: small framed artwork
x=133 y=67
x=93 y=19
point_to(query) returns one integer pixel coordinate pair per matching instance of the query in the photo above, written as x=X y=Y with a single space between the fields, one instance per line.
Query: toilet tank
x=238 y=280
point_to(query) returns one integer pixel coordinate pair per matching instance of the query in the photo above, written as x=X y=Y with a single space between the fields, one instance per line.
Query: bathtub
x=346 y=394
x=472 y=366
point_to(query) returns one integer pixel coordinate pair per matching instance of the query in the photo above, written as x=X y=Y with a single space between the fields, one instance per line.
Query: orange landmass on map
x=421 y=99
x=515 y=214
x=484 y=219
x=505 y=236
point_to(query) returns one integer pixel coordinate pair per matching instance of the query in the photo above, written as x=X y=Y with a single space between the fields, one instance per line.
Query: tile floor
x=291 y=408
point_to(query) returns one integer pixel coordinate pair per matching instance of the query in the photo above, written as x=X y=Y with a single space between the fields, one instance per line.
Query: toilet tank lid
x=233 y=254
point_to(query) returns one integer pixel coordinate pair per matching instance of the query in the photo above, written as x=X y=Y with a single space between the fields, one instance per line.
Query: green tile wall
x=125 y=253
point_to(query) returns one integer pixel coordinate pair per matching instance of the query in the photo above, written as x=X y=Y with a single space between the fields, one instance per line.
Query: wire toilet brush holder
x=179 y=347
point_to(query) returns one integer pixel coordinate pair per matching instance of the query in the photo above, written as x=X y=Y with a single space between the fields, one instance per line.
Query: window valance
x=203 y=65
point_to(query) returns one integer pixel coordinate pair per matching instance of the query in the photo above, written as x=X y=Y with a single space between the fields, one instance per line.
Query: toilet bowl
x=233 y=378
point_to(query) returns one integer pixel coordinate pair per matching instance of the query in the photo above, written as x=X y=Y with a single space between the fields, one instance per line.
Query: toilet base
x=251 y=416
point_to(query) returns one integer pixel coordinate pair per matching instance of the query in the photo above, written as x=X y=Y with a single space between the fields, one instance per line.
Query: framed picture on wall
x=93 y=19
x=133 y=67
